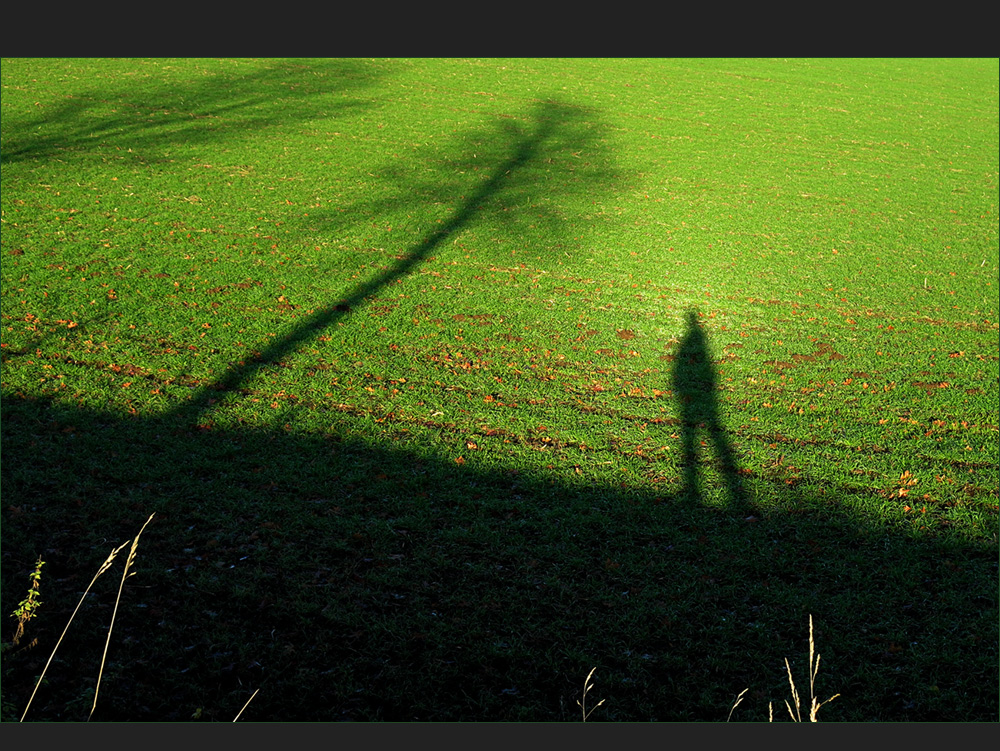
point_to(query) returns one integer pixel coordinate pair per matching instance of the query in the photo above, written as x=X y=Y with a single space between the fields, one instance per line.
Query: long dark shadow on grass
x=148 y=116
x=695 y=386
x=523 y=151
x=379 y=584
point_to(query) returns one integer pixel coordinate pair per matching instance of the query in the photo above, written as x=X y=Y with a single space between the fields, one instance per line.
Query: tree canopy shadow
x=152 y=114
x=506 y=175
x=509 y=176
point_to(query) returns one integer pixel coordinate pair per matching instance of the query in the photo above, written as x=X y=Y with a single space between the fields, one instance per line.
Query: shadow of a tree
x=356 y=581
x=152 y=115
x=514 y=176
x=514 y=154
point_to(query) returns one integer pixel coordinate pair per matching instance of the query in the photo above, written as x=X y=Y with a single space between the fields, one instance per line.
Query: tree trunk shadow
x=553 y=124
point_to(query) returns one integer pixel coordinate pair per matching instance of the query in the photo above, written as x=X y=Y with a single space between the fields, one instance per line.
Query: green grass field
x=448 y=381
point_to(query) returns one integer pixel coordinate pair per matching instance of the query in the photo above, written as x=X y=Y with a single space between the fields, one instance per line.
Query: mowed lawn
x=448 y=381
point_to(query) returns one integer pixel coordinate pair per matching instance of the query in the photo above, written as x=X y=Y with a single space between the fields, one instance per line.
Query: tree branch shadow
x=515 y=152
x=151 y=117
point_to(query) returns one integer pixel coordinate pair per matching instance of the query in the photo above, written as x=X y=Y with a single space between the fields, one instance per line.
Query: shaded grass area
x=355 y=582
x=445 y=389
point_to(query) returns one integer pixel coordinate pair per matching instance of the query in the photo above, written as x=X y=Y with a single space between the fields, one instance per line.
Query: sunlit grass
x=403 y=335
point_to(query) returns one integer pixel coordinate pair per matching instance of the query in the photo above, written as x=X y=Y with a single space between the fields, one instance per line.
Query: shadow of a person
x=694 y=386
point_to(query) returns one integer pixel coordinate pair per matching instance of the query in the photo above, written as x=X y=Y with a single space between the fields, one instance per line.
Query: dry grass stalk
x=128 y=564
x=587 y=685
x=814 y=705
x=813 y=670
x=736 y=704
x=245 y=705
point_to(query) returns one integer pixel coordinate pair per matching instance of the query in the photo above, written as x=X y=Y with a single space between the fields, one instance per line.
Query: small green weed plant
x=28 y=607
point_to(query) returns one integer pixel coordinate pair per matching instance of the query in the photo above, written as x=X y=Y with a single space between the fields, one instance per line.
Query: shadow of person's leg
x=689 y=460
x=730 y=470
